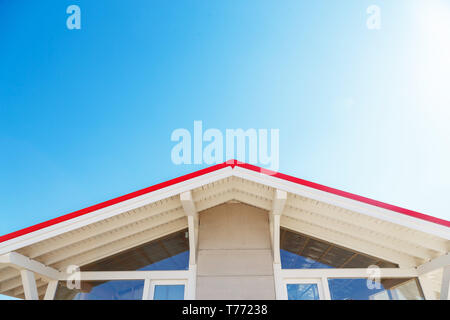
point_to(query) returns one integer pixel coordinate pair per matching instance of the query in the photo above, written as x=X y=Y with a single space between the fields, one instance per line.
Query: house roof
x=230 y=163
x=388 y=232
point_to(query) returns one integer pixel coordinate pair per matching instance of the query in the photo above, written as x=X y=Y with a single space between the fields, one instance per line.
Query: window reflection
x=303 y=291
x=167 y=253
x=386 y=289
x=102 y=290
x=169 y=292
x=299 y=251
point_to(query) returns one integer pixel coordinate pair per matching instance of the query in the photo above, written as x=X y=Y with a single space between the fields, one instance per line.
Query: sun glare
x=433 y=65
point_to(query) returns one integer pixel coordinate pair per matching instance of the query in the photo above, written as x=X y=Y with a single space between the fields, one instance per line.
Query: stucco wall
x=234 y=258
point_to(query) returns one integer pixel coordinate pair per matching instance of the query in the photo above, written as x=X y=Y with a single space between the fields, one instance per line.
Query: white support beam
x=131 y=275
x=278 y=280
x=326 y=288
x=146 y=292
x=437 y=263
x=29 y=285
x=18 y=261
x=276 y=239
x=51 y=290
x=346 y=273
x=445 y=288
x=193 y=220
x=191 y=286
x=427 y=288
x=279 y=202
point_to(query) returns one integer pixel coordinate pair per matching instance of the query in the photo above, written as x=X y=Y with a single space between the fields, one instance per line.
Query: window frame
x=153 y=283
x=284 y=276
x=150 y=278
x=316 y=281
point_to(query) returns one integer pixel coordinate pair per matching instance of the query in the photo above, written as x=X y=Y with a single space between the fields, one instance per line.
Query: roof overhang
x=376 y=209
x=405 y=237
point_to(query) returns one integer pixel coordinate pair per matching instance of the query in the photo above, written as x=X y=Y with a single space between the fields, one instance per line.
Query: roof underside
x=318 y=219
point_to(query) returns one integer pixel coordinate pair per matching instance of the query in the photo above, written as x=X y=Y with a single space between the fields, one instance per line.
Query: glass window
x=102 y=290
x=303 y=291
x=299 y=251
x=169 y=292
x=167 y=253
x=386 y=289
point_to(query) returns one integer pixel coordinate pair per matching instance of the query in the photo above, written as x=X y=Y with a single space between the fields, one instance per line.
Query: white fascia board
x=113 y=210
x=350 y=204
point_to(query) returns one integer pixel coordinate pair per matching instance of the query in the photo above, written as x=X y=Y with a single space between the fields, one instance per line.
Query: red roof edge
x=232 y=164
x=345 y=194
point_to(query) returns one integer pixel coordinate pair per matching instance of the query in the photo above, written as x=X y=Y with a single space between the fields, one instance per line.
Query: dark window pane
x=299 y=251
x=386 y=289
x=167 y=253
x=169 y=292
x=102 y=290
x=303 y=291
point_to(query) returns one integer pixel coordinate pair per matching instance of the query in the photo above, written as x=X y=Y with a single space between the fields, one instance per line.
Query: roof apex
x=232 y=163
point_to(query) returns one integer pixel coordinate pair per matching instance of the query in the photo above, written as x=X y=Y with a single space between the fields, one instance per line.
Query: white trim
x=29 y=285
x=132 y=275
x=445 y=287
x=113 y=210
x=354 y=205
x=276 y=239
x=321 y=276
x=326 y=289
x=51 y=290
x=146 y=291
x=278 y=281
x=347 y=273
x=18 y=261
x=154 y=283
x=279 y=201
x=278 y=205
x=191 y=287
x=437 y=263
x=277 y=183
x=426 y=287
x=186 y=277
x=192 y=216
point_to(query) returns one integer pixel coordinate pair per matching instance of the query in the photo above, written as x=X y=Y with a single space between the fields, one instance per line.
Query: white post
x=279 y=286
x=192 y=216
x=146 y=293
x=326 y=288
x=427 y=290
x=279 y=202
x=445 y=292
x=276 y=239
x=191 y=286
x=51 y=290
x=29 y=285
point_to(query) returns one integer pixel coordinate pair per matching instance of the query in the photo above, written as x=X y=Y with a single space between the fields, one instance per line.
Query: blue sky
x=86 y=115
